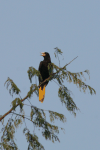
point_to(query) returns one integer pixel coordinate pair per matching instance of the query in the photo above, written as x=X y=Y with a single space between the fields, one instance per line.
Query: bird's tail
x=41 y=94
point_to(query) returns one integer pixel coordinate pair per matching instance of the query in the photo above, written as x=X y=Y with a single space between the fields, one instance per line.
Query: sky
x=30 y=27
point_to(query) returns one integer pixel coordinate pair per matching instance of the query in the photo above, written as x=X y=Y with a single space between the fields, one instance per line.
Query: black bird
x=45 y=73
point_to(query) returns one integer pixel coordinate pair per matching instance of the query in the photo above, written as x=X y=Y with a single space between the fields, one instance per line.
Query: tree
x=37 y=115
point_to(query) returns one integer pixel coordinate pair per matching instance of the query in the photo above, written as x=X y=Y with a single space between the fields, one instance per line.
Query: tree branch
x=33 y=91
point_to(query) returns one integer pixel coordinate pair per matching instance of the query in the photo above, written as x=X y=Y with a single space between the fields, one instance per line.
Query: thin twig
x=29 y=102
x=56 y=83
x=33 y=121
x=22 y=116
x=70 y=62
x=39 y=108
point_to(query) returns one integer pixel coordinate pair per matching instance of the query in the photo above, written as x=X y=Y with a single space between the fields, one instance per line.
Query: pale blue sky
x=30 y=27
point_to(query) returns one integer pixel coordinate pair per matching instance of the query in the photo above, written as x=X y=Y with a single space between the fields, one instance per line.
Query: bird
x=45 y=73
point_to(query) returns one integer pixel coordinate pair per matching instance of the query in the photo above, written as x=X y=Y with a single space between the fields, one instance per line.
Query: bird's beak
x=43 y=54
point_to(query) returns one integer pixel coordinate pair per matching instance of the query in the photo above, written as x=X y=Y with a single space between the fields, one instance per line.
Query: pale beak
x=43 y=54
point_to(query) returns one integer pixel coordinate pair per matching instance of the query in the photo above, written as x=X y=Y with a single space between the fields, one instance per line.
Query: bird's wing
x=40 y=65
x=40 y=69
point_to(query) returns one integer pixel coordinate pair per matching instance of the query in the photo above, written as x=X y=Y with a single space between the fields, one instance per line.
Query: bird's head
x=45 y=55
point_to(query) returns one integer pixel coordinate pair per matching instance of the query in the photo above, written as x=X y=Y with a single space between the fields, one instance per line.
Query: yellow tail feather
x=41 y=94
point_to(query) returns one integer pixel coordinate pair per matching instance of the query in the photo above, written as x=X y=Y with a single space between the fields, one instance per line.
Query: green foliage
x=32 y=140
x=14 y=88
x=55 y=115
x=65 y=98
x=57 y=51
x=36 y=112
x=39 y=119
x=48 y=130
x=15 y=102
x=18 y=121
x=7 y=138
x=76 y=78
x=33 y=88
x=37 y=115
x=33 y=72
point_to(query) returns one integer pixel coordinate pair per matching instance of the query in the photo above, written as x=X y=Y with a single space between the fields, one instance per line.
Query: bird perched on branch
x=45 y=73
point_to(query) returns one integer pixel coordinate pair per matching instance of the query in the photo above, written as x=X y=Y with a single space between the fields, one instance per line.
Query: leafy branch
x=15 y=88
x=37 y=115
